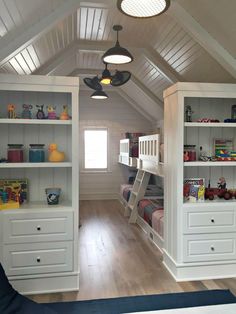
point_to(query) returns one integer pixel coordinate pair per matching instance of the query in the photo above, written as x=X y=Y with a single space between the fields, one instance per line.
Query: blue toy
x=26 y=113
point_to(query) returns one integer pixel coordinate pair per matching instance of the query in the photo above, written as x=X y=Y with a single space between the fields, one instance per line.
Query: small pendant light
x=99 y=94
x=117 y=54
x=143 y=8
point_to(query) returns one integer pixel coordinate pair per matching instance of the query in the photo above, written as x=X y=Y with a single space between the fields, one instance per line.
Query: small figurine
x=40 y=113
x=11 y=111
x=64 y=115
x=188 y=114
x=51 y=113
x=54 y=154
x=222 y=183
x=26 y=113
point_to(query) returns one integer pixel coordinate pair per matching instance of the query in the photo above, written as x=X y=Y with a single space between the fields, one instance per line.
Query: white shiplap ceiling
x=192 y=41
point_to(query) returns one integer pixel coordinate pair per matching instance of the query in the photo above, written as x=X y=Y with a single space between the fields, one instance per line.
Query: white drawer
x=37 y=227
x=25 y=259
x=209 y=221
x=209 y=247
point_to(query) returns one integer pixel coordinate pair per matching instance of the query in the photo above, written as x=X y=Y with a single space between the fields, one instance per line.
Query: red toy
x=220 y=191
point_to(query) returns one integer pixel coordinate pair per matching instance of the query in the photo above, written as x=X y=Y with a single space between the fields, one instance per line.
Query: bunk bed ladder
x=137 y=193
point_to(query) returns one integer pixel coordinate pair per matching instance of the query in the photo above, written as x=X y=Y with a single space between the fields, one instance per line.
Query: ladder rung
x=131 y=207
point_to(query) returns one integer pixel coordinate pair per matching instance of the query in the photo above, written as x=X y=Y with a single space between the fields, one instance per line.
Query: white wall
x=119 y=117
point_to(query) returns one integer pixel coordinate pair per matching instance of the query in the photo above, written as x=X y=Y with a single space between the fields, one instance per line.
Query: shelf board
x=36 y=165
x=36 y=121
x=210 y=124
x=209 y=163
x=42 y=205
x=213 y=203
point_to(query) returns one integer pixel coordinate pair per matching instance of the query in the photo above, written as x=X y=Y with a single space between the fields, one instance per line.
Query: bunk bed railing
x=124 y=156
x=149 y=154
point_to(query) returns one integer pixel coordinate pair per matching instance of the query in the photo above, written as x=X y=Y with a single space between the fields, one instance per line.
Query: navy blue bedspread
x=145 y=303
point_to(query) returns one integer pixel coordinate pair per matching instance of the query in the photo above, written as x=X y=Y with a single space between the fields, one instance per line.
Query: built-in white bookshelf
x=36 y=222
x=199 y=237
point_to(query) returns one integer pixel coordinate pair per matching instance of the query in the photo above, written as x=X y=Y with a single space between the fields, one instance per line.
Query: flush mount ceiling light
x=117 y=54
x=143 y=8
x=99 y=94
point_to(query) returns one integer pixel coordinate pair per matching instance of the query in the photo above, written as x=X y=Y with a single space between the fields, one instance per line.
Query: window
x=95 y=149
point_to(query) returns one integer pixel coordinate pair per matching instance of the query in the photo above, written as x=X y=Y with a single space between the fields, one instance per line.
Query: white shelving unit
x=200 y=238
x=39 y=242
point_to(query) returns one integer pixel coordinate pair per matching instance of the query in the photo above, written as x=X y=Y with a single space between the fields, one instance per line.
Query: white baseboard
x=46 y=285
x=192 y=272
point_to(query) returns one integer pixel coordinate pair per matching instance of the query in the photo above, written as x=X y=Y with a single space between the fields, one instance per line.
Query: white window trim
x=96 y=170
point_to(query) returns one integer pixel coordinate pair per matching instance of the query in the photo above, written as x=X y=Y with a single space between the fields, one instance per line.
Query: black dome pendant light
x=117 y=54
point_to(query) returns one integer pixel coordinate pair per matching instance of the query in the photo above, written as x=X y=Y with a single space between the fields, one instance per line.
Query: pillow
x=11 y=302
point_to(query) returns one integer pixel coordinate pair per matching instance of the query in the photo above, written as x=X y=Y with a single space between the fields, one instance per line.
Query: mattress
x=152 y=212
x=152 y=190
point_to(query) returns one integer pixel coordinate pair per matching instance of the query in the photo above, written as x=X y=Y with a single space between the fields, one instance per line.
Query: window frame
x=96 y=170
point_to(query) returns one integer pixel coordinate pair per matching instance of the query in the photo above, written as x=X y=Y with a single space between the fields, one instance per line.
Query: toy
x=12 y=193
x=54 y=154
x=221 y=191
x=208 y=120
x=64 y=115
x=51 y=113
x=26 y=113
x=188 y=114
x=40 y=113
x=11 y=111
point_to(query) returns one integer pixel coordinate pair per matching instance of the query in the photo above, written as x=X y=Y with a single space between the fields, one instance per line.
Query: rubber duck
x=54 y=154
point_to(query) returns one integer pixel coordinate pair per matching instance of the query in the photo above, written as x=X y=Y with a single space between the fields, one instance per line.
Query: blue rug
x=145 y=303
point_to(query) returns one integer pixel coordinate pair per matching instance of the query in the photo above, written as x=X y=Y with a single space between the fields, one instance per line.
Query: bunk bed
x=150 y=212
x=144 y=202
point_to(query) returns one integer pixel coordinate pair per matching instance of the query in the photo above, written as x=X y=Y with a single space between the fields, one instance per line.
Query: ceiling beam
x=218 y=52
x=14 y=42
x=56 y=61
x=144 y=98
x=134 y=104
x=158 y=62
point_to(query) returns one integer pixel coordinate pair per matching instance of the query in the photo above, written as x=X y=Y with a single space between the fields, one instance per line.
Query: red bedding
x=152 y=212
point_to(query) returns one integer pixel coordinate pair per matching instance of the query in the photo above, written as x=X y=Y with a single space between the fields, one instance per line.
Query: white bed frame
x=146 y=228
x=149 y=155
x=149 y=160
x=124 y=157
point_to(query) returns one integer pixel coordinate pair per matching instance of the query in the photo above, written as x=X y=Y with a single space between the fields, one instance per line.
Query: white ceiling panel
x=217 y=17
x=17 y=13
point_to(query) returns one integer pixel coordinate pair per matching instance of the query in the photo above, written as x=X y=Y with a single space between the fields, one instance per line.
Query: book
x=194 y=190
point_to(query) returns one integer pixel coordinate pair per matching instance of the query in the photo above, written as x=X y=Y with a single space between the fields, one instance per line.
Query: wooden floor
x=116 y=259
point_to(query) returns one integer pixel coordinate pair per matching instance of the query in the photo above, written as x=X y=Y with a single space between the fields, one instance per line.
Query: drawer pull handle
x=39 y=228
x=212 y=220
x=212 y=248
x=38 y=259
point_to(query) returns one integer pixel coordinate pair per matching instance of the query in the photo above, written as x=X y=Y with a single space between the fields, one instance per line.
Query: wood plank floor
x=116 y=259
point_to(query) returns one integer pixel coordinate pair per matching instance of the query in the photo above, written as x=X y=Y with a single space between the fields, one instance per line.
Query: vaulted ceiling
x=192 y=41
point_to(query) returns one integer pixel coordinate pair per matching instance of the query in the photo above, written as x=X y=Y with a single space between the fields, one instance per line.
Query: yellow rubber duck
x=54 y=154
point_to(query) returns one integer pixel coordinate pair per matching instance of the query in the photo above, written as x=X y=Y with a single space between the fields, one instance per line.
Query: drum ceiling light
x=117 y=54
x=143 y=8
